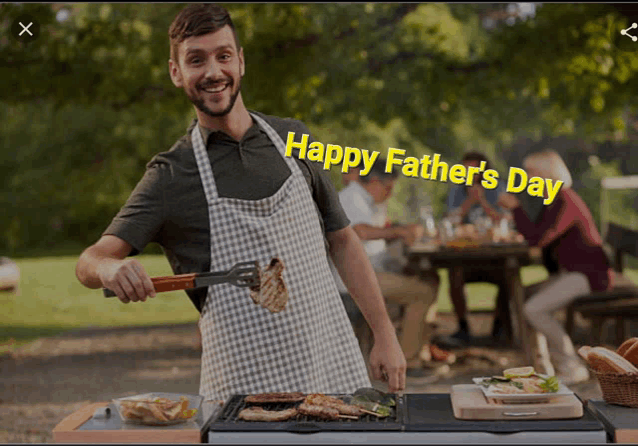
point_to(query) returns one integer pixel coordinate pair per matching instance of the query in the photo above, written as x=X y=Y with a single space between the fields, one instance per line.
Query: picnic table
x=505 y=257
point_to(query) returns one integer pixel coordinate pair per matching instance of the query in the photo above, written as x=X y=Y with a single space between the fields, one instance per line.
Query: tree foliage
x=88 y=104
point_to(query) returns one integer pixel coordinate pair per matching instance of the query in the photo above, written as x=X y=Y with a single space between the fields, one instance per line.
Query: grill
x=227 y=419
x=418 y=419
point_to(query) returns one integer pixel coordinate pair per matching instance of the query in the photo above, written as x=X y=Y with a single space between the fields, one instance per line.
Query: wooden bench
x=619 y=303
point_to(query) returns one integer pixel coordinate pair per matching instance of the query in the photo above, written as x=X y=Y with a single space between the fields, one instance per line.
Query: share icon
x=625 y=33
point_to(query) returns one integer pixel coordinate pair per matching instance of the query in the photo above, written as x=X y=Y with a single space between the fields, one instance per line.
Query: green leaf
x=550 y=384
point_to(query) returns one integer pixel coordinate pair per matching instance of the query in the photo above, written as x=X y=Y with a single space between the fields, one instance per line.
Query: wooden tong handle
x=167 y=283
x=172 y=283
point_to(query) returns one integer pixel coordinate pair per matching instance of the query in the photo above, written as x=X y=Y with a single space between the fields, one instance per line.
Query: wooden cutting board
x=67 y=431
x=469 y=403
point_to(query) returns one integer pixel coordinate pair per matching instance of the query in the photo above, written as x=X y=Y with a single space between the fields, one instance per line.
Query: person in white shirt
x=364 y=201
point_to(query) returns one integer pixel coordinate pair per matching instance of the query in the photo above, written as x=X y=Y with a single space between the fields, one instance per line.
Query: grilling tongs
x=243 y=274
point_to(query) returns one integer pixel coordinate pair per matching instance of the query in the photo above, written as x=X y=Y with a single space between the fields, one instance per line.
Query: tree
x=91 y=100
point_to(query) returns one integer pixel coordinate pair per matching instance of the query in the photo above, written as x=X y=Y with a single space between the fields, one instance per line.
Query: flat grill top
x=227 y=420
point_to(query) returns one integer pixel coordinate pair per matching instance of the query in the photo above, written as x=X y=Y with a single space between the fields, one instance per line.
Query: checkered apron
x=310 y=345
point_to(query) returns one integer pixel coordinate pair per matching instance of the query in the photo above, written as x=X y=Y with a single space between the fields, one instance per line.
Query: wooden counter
x=81 y=427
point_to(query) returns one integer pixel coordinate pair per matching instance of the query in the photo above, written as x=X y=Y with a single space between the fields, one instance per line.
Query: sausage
x=275 y=397
x=260 y=414
x=326 y=413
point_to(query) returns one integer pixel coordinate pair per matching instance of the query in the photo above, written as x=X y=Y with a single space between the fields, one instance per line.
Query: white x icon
x=25 y=29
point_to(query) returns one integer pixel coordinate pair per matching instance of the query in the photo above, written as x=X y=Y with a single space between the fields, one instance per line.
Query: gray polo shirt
x=168 y=205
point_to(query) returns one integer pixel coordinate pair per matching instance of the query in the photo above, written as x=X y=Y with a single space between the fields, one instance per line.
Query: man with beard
x=225 y=193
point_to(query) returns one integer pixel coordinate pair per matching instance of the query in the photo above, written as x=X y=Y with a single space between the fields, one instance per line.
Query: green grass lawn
x=51 y=300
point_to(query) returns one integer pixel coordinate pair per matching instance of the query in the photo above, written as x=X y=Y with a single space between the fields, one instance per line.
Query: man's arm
x=490 y=210
x=104 y=264
x=457 y=204
x=489 y=202
x=357 y=273
x=408 y=233
x=369 y=232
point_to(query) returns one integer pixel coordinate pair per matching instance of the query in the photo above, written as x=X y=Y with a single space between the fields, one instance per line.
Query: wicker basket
x=620 y=389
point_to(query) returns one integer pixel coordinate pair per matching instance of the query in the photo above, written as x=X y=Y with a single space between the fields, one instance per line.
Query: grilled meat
x=275 y=397
x=271 y=293
x=260 y=414
x=326 y=413
x=319 y=399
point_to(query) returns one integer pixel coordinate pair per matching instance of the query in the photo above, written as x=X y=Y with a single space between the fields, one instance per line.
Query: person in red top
x=568 y=226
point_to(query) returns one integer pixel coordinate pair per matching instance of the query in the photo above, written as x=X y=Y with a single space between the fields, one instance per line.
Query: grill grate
x=227 y=420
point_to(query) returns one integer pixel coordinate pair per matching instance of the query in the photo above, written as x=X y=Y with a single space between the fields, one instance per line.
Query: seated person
x=469 y=204
x=568 y=226
x=351 y=175
x=363 y=201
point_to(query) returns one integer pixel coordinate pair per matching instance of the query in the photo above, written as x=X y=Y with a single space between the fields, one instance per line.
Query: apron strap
x=278 y=142
x=203 y=164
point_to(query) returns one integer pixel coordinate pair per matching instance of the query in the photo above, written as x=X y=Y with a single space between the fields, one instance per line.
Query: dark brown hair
x=196 y=20
x=476 y=156
x=378 y=171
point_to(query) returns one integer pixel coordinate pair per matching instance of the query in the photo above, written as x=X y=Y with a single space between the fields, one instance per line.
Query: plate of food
x=158 y=409
x=521 y=385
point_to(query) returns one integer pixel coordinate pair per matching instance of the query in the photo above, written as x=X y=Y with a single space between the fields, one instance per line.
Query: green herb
x=500 y=380
x=375 y=396
x=364 y=403
x=550 y=384
x=495 y=380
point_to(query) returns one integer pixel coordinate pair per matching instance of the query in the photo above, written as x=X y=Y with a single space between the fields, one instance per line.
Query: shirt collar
x=205 y=133
x=209 y=133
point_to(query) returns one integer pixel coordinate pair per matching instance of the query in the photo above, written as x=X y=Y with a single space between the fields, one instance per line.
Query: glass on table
x=483 y=225
x=505 y=228
x=428 y=222
x=447 y=231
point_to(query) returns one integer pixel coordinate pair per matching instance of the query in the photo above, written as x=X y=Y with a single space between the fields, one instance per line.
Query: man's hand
x=411 y=233
x=476 y=194
x=127 y=278
x=387 y=362
x=508 y=201
x=105 y=264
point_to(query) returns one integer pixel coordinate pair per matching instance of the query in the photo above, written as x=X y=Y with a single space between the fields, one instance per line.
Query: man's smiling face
x=210 y=69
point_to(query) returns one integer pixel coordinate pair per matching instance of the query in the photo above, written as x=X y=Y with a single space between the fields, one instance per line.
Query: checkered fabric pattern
x=310 y=345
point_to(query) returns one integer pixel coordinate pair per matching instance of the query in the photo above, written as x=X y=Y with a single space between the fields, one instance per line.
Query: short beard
x=201 y=105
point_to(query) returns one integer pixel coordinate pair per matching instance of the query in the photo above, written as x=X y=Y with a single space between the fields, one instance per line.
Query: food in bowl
x=522 y=380
x=157 y=409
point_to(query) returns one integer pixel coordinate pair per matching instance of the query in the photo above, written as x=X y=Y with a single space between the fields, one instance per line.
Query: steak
x=271 y=293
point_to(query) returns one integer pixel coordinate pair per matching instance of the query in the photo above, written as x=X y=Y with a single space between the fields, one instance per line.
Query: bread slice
x=584 y=351
x=626 y=346
x=603 y=360
x=631 y=354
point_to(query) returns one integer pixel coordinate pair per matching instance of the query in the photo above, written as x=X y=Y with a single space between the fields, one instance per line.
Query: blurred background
x=88 y=103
